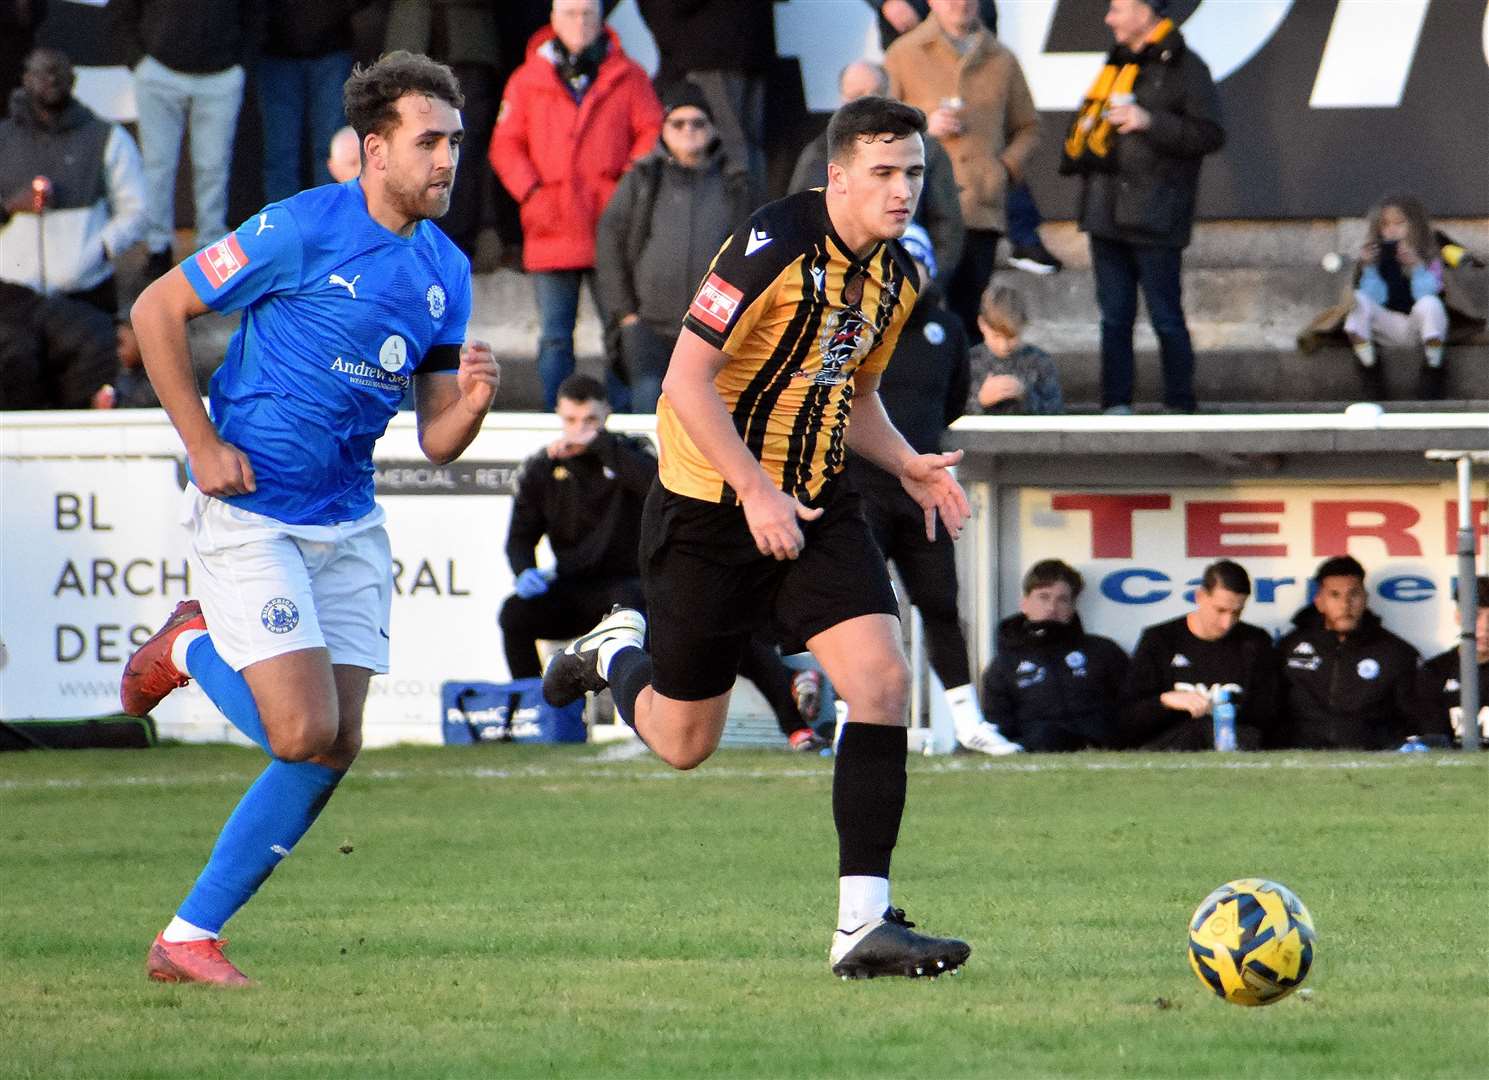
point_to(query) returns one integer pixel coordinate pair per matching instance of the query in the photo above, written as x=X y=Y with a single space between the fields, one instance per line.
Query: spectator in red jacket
x=573 y=117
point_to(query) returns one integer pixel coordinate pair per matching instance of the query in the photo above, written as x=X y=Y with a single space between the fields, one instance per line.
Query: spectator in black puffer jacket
x=660 y=231
x=1347 y=682
x=1137 y=142
x=1052 y=686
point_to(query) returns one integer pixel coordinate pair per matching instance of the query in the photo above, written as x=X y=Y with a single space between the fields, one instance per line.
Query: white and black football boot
x=576 y=670
x=887 y=946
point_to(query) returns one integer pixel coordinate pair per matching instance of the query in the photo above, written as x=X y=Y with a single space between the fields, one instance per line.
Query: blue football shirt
x=338 y=313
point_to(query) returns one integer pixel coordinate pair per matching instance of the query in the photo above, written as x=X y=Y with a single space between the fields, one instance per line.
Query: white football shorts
x=269 y=588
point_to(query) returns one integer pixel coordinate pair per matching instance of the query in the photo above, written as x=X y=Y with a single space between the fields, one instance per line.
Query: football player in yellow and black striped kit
x=750 y=524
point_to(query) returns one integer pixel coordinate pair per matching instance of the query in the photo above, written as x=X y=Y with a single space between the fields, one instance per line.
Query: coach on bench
x=584 y=491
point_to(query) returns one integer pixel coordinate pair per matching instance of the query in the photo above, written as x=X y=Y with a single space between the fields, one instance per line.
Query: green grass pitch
x=535 y=911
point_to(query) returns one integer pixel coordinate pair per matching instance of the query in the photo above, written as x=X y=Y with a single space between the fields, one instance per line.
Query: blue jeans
x=1120 y=268
x=296 y=96
x=1023 y=216
x=646 y=354
x=165 y=98
x=557 y=293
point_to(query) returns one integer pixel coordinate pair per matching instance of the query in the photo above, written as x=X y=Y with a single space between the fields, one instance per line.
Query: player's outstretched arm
x=159 y=318
x=924 y=476
x=450 y=409
x=771 y=513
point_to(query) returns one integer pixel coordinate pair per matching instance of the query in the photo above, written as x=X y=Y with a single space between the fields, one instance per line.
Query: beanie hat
x=917 y=244
x=1160 y=7
x=685 y=94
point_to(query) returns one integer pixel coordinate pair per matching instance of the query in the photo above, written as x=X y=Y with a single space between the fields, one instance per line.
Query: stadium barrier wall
x=93 y=557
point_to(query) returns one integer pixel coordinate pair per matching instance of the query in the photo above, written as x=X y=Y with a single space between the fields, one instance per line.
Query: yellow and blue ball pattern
x=1251 y=942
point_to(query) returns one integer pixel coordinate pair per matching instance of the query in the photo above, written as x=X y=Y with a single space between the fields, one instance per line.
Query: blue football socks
x=227 y=689
x=272 y=816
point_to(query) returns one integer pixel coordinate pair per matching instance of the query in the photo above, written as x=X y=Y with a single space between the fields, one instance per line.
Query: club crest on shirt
x=846 y=338
x=1367 y=668
x=280 y=615
x=436 y=299
x=1028 y=674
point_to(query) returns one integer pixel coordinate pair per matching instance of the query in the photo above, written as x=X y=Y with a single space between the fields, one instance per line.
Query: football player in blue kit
x=349 y=294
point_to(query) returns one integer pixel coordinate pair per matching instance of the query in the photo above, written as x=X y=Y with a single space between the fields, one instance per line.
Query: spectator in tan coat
x=978 y=105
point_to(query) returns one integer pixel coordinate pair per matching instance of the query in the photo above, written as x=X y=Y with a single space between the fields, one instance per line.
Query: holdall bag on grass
x=113 y=732
x=478 y=712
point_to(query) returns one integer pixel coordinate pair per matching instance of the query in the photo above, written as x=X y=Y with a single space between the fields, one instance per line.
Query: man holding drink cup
x=1137 y=143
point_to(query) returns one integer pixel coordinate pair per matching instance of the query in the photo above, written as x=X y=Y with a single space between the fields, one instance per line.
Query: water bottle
x=1223 y=714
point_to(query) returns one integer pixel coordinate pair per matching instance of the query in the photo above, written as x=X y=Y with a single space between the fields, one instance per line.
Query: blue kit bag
x=479 y=712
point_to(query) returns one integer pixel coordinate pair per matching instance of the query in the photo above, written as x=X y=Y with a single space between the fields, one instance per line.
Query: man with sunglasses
x=659 y=234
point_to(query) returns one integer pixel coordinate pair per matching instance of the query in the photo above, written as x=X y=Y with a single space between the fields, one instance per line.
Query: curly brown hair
x=371 y=95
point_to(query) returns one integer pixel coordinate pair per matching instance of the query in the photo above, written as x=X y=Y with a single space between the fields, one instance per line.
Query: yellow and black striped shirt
x=798 y=316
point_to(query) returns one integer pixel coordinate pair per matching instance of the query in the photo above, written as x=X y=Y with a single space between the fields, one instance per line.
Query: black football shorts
x=708 y=588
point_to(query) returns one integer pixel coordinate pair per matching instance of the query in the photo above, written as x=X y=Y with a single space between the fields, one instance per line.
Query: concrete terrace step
x=1274 y=377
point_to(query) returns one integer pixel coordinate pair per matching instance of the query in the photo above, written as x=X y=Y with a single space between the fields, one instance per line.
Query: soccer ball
x=1251 y=942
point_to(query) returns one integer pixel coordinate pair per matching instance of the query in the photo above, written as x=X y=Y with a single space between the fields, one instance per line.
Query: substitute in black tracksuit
x=1440 y=684
x=584 y=491
x=1348 y=683
x=1169 y=657
x=1180 y=667
x=1052 y=686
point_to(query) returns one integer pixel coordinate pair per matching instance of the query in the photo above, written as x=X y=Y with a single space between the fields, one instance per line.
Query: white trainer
x=576 y=670
x=983 y=737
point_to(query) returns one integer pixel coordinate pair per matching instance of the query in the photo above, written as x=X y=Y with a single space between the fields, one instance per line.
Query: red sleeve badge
x=221 y=260
x=716 y=303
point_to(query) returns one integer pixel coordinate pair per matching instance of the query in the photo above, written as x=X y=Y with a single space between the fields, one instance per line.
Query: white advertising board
x=93 y=559
x=1141 y=551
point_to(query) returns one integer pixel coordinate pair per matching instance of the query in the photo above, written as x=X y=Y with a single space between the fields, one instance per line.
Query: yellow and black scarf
x=1089 y=144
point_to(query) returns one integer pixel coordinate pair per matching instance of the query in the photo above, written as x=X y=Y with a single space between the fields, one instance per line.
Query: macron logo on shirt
x=222 y=260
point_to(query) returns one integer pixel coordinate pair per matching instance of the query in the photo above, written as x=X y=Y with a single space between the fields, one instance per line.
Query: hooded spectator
x=60 y=238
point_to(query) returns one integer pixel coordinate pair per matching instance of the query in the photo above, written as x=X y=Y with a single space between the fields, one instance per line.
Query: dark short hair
x=1481 y=591
x=1049 y=572
x=1339 y=566
x=370 y=96
x=870 y=116
x=581 y=388
x=1228 y=575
